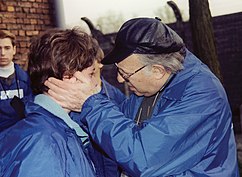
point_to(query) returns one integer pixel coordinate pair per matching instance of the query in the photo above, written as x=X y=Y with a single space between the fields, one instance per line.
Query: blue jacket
x=189 y=134
x=42 y=145
x=112 y=92
x=104 y=166
x=8 y=116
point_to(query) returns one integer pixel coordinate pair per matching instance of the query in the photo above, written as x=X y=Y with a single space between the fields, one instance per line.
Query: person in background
x=14 y=82
x=47 y=143
x=177 y=123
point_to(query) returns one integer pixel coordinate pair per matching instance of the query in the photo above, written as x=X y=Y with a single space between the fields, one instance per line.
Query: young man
x=13 y=81
x=177 y=123
x=47 y=142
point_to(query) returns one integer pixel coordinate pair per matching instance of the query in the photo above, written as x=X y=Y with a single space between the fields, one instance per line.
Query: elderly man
x=177 y=122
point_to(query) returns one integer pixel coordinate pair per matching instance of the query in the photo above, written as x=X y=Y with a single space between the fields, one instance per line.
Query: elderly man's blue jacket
x=189 y=134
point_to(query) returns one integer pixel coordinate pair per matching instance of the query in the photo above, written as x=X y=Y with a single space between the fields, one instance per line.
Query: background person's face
x=7 y=52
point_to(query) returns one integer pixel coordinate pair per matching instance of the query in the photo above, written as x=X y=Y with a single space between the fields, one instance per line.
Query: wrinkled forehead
x=131 y=60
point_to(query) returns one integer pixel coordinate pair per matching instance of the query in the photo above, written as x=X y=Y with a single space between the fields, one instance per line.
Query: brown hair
x=8 y=34
x=58 y=53
x=98 y=50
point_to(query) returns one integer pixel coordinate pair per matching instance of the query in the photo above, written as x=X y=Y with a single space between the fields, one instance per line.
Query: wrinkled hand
x=72 y=93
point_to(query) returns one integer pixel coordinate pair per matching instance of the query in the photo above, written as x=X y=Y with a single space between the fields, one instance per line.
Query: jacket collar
x=50 y=105
x=175 y=90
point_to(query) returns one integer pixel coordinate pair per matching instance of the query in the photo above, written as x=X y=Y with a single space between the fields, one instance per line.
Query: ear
x=159 y=71
x=14 y=50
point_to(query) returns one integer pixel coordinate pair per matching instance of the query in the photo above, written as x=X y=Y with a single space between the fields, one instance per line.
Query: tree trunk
x=202 y=34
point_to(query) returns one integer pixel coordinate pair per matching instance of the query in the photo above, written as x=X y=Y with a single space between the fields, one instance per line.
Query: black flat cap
x=143 y=36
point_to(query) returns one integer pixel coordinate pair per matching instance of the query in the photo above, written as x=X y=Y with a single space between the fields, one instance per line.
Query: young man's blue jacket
x=42 y=145
x=8 y=116
x=189 y=134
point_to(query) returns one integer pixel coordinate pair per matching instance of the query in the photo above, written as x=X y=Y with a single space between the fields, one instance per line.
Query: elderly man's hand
x=72 y=93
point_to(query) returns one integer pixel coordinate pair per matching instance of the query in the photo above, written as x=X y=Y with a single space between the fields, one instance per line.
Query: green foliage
x=111 y=22
x=166 y=14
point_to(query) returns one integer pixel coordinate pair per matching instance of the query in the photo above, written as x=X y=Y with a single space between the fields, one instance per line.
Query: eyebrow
x=6 y=45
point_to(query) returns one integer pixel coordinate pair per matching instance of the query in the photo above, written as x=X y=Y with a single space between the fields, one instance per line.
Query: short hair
x=8 y=34
x=57 y=53
x=98 y=50
x=172 y=62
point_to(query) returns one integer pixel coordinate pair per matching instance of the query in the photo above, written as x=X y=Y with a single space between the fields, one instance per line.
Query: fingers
x=58 y=97
x=59 y=86
x=67 y=93
x=72 y=80
x=56 y=100
x=80 y=76
x=53 y=82
x=71 y=93
x=57 y=89
x=90 y=83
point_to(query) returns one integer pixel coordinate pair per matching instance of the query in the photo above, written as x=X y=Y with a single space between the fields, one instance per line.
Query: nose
x=100 y=65
x=120 y=78
x=2 y=52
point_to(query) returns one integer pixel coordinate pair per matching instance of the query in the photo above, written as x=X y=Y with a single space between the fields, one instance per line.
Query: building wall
x=26 y=18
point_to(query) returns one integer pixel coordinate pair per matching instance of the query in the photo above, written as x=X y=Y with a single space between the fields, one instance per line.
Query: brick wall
x=26 y=18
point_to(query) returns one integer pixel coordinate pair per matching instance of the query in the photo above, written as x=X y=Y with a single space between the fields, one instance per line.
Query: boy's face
x=90 y=73
x=7 y=52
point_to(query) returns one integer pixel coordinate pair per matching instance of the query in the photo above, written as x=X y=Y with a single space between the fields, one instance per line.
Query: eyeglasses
x=126 y=76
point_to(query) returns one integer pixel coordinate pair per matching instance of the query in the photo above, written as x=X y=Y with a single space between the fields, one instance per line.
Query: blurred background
x=108 y=15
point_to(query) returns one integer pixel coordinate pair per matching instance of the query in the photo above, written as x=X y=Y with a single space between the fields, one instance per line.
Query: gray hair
x=172 y=62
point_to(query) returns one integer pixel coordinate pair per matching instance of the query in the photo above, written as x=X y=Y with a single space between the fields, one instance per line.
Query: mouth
x=3 y=58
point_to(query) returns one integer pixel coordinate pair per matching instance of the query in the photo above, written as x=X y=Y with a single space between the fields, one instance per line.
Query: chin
x=132 y=89
x=138 y=94
x=141 y=94
x=147 y=94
